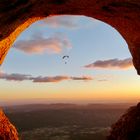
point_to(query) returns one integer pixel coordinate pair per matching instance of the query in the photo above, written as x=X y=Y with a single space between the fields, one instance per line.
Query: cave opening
x=89 y=43
x=123 y=15
x=36 y=72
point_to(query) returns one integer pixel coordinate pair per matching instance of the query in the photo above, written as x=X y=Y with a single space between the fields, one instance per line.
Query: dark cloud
x=39 y=44
x=111 y=64
x=14 y=77
x=84 y=78
x=59 y=78
x=41 y=79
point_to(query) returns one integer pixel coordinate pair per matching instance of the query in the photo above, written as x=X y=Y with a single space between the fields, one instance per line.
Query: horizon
x=22 y=102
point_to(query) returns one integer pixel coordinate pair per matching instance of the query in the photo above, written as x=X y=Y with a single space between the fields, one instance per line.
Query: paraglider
x=65 y=57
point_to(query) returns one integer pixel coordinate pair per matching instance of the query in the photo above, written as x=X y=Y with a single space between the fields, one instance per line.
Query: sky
x=98 y=67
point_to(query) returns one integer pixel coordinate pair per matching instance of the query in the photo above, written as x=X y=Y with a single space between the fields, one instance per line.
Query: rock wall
x=128 y=126
x=123 y=15
x=7 y=130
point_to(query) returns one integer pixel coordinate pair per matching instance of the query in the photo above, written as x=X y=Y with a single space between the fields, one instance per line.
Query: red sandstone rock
x=128 y=126
x=123 y=15
x=17 y=15
x=7 y=130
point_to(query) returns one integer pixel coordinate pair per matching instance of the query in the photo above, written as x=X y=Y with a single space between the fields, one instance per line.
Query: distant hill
x=28 y=117
x=61 y=121
x=35 y=107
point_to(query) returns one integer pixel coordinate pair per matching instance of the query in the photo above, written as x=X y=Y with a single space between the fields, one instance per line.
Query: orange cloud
x=39 y=44
x=111 y=63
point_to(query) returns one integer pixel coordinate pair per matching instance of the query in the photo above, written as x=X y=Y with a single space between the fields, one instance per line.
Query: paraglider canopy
x=64 y=57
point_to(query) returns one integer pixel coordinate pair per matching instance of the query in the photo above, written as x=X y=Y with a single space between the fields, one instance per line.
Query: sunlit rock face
x=128 y=126
x=7 y=130
x=124 y=15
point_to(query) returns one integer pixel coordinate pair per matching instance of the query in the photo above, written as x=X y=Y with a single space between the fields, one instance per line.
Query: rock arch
x=17 y=15
x=123 y=15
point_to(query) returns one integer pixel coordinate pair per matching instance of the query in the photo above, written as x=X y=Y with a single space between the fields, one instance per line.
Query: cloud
x=62 y=21
x=39 y=44
x=102 y=80
x=84 y=78
x=111 y=64
x=41 y=79
x=69 y=22
x=14 y=77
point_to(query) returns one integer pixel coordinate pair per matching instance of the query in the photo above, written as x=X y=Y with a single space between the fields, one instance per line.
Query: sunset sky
x=99 y=67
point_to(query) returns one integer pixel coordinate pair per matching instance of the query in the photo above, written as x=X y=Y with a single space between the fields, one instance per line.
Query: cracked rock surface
x=7 y=130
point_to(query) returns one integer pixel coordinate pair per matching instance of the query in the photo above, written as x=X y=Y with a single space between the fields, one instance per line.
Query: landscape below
x=64 y=121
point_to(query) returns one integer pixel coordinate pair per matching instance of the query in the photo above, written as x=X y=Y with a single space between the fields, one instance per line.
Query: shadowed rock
x=128 y=126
